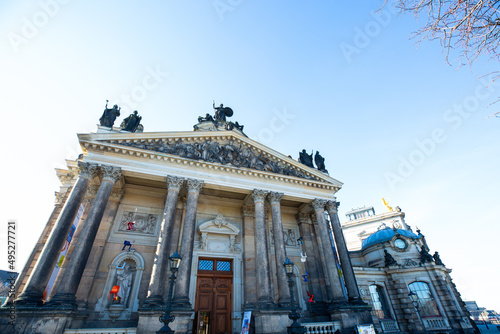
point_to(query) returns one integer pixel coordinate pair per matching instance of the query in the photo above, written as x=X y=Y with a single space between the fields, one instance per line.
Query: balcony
x=436 y=323
x=389 y=326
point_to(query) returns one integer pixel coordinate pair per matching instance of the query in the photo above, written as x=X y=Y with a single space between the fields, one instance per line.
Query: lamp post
x=175 y=261
x=414 y=300
x=295 y=327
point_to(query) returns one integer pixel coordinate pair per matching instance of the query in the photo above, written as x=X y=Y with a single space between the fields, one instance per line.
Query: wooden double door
x=214 y=289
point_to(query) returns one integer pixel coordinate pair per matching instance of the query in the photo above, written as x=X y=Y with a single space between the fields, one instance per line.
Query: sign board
x=245 y=326
x=365 y=329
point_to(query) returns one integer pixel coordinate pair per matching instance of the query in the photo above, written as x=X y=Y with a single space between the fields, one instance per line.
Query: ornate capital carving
x=87 y=170
x=248 y=211
x=110 y=173
x=92 y=190
x=259 y=195
x=303 y=218
x=194 y=185
x=174 y=183
x=332 y=206
x=59 y=197
x=275 y=198
x=117 y=193
x=319 y=204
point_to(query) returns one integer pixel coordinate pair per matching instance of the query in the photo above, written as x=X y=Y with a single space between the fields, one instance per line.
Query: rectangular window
x=206 y=265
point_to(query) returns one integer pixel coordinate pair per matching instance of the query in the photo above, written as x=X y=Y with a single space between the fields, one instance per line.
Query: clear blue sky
x=392 y=119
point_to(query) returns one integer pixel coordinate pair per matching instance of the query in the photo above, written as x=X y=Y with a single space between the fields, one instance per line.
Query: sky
x=392 y=118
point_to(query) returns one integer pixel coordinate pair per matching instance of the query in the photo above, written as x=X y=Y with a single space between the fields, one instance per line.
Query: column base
x=182 y=304
x=65 y=301
x=267 y=305
x=285 y=303
x=153 y=302
x=28 y=300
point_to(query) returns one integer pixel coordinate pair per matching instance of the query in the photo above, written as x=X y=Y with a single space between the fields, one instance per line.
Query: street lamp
x=175 y=261
x=414 y=300
x=295 y=327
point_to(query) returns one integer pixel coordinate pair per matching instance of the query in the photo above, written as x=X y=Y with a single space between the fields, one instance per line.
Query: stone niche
x=218 y=236
x=125 y=272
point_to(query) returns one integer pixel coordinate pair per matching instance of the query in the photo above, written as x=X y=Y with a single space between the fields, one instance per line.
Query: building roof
x=386 y=235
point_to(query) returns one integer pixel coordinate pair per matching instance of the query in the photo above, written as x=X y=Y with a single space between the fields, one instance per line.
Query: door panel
x=213 y=294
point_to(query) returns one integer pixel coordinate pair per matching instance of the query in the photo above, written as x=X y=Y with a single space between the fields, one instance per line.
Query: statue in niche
x=222 y=112
x=320 y=162
x=306 y=159
x=124 y=281
x=388 y=259
x=131 y=123
x=109 y=115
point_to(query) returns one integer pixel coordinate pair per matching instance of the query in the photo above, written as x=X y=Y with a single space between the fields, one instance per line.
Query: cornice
x=370 y=219
x=109 y=143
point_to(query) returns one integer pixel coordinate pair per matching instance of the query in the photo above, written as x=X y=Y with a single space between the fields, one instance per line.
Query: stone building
x=389 y=262
x=232 y=207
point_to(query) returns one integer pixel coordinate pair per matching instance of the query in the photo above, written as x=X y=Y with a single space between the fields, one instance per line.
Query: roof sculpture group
x=130 y=123
x=209 y=151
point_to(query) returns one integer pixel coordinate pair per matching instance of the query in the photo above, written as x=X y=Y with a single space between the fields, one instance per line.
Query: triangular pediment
x=227 y=151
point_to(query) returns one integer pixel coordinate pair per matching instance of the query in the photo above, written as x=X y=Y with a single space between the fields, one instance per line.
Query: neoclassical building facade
x=234 y=210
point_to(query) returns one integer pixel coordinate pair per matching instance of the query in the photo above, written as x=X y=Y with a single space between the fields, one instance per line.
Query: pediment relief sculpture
x=230 y=153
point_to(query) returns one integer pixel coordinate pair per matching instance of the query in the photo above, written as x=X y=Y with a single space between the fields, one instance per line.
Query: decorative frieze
x=143 y=223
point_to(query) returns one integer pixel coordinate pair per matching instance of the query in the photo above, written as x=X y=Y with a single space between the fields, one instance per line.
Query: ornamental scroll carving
x=212 y=151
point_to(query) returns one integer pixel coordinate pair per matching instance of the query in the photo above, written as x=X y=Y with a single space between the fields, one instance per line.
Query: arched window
x=426 y=304
x=380 y=305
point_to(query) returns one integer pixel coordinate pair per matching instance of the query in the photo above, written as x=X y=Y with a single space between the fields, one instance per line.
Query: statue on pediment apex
x=222 y=112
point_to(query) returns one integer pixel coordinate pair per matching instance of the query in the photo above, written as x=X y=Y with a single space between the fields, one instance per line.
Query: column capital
x=87 y=170
x=332 y=206
x=248 y=211
x=319 y=204
x=275 y=198
x=110 y=173
x=174 y=183
x=259 y=195
x=194 y=185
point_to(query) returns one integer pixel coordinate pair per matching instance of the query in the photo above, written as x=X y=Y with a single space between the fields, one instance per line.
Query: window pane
x=223 y=266
x=379 y=303
x=426 y=304
x=206 y=265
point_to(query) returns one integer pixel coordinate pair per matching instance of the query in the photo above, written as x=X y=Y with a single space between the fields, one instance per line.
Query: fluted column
x=345 y=260
x=331 y=267
x=160 y=265
x=279 y=249
x=33 y=292
x=249 y=283
x=65 y=294
x=313 y=260
x=181 y=296
x=262 y=266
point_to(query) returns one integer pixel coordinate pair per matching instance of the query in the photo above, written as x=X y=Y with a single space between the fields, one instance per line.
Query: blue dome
x=386 y=235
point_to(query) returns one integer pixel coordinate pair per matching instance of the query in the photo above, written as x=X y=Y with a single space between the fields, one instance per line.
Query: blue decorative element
x=127 y=244
x=206 y=265
x=386 y=235
x=305 y=277
x=223 y=266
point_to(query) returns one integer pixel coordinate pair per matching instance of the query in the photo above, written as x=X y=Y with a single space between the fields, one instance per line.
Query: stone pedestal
x=40 y=322
x=272 y=321
x=350 y=316
x=149 y=322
